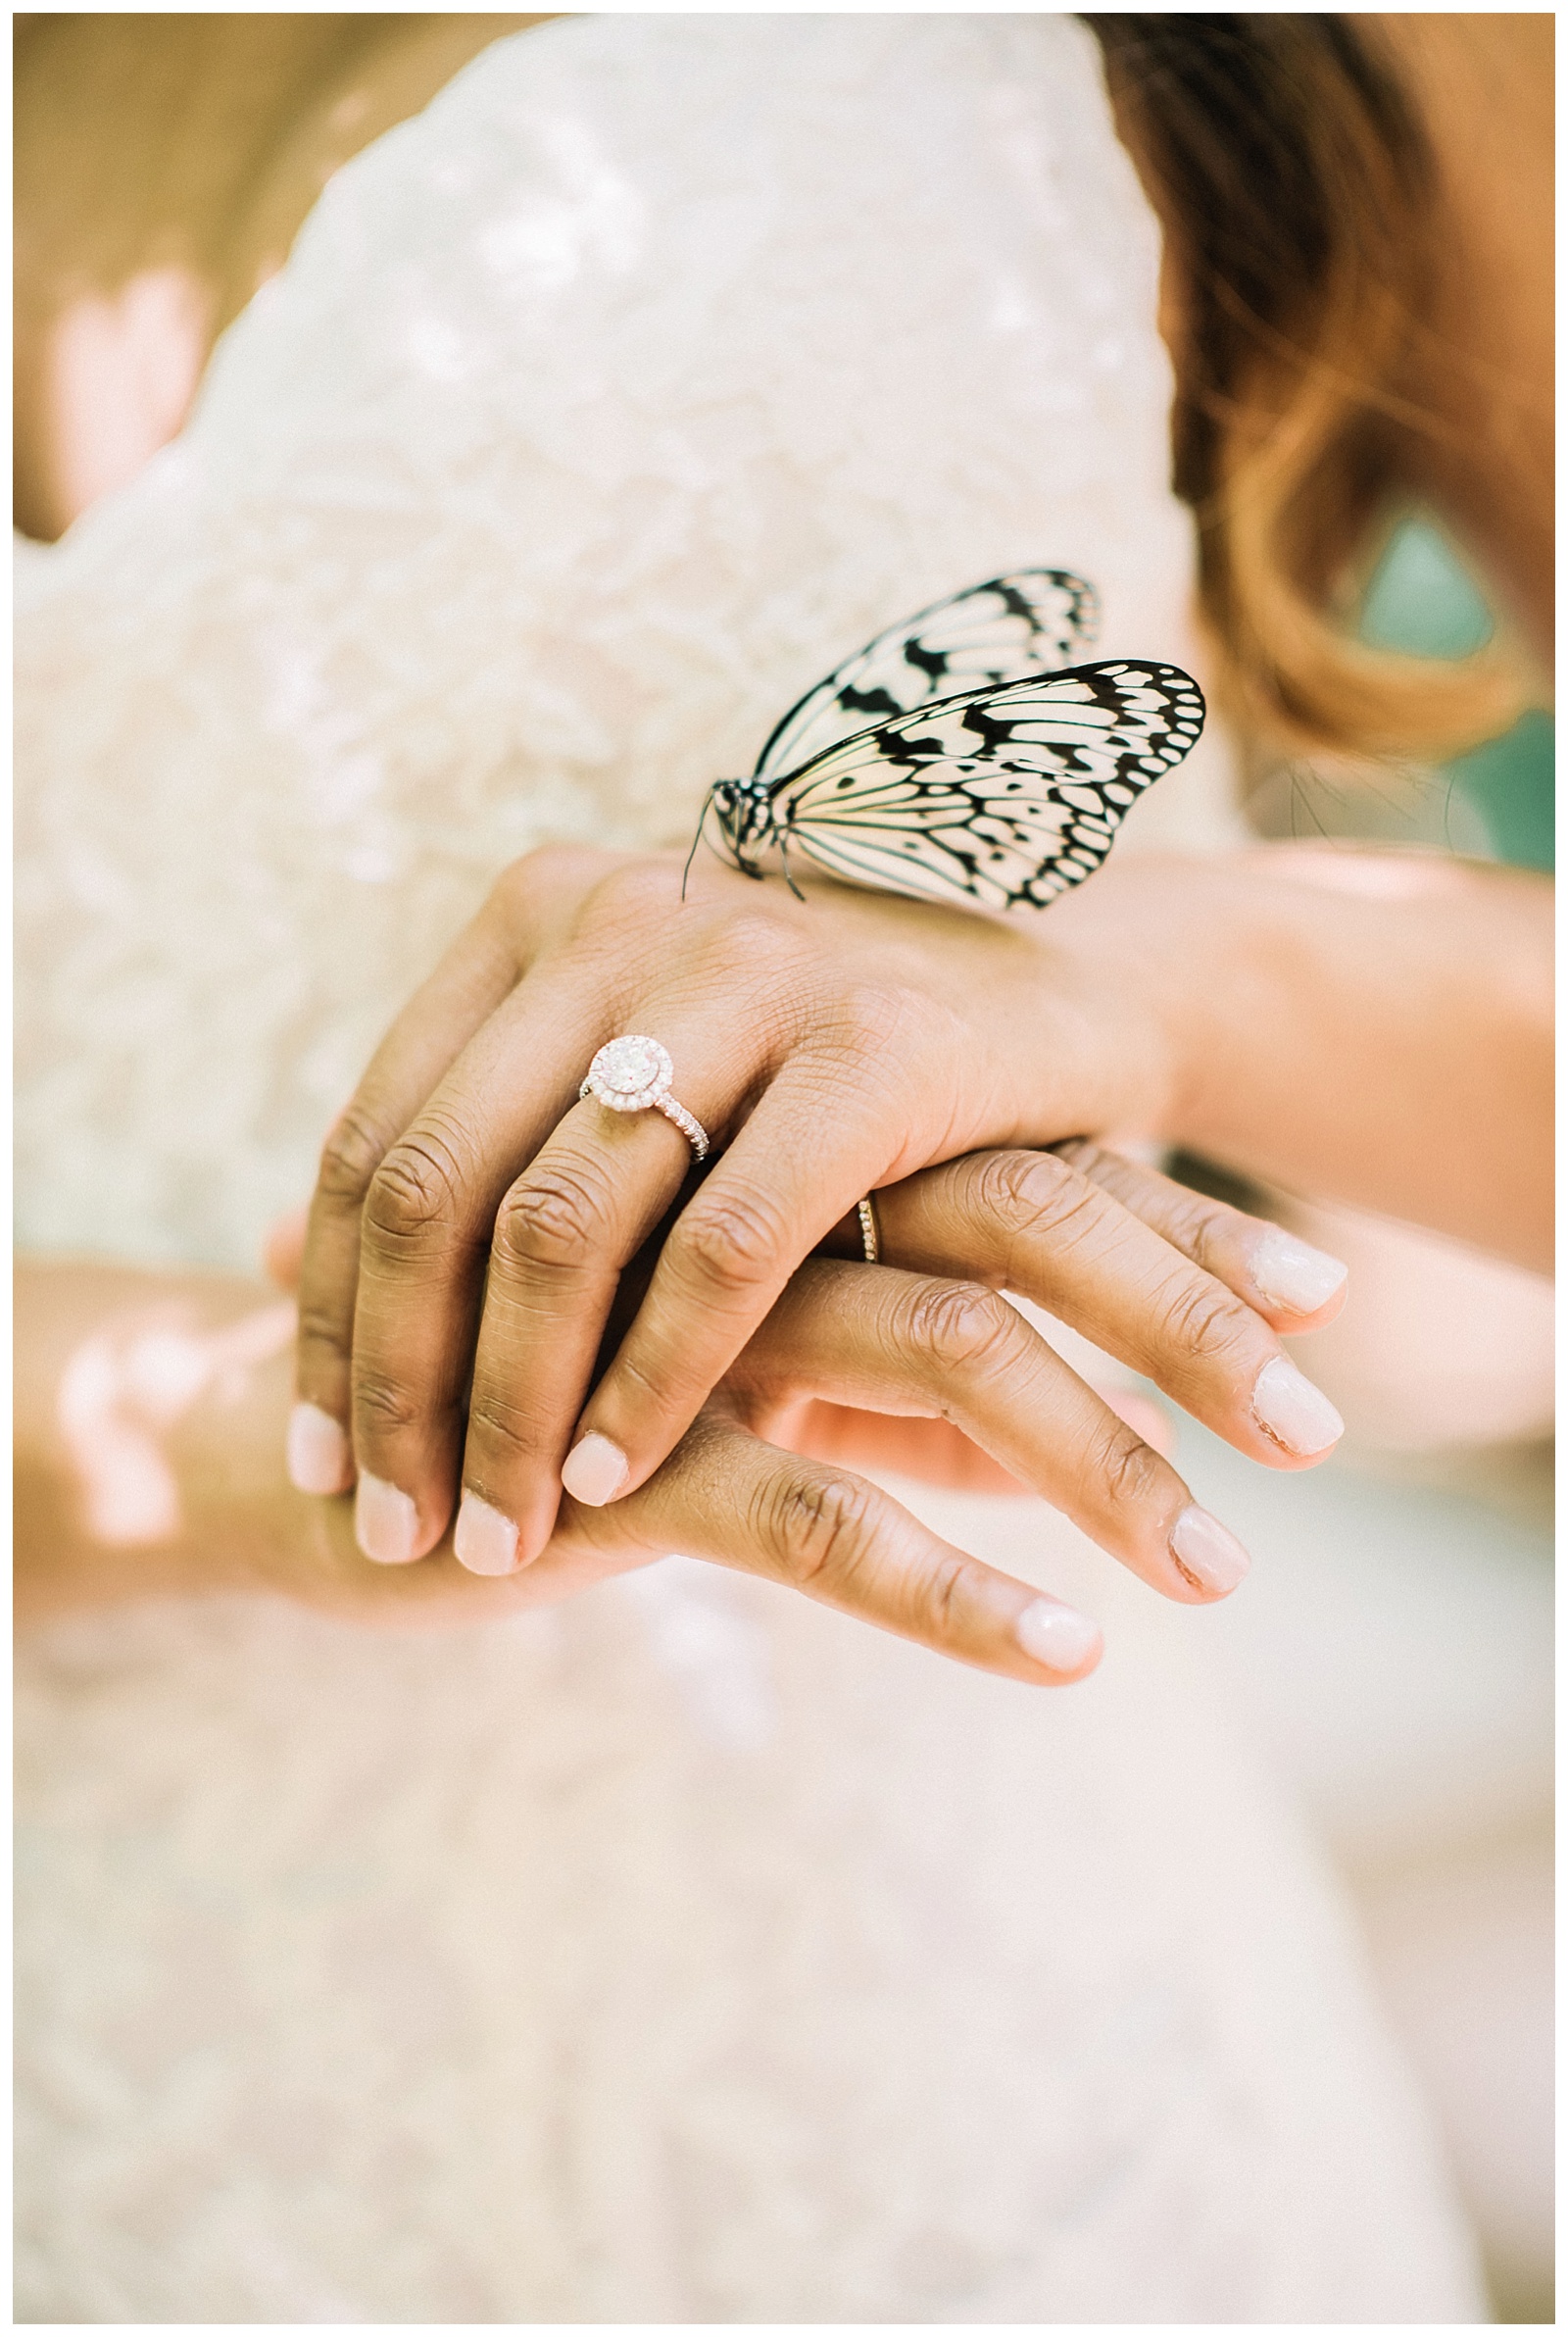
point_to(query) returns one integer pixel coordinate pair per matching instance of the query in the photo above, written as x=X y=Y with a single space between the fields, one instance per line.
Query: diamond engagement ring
x=633 y=1075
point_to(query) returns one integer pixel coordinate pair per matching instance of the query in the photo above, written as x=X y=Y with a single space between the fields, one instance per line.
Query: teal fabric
x=1421 y=600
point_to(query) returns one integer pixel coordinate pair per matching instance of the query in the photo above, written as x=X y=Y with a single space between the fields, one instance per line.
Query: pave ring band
x=870 y=1236
x=633 y=1075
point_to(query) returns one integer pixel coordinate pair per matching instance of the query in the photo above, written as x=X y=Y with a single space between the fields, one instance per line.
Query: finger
x=774 y=1193
x=1291 y=1285
x=317 y=1559
x=956 y=1351
x=479 y=971
x=724 y=1495
x=565 y=1235
x=283 y=1250
x=590 y=1191
x=933 y=1452
x=435 y=1228
x=1033 y=1223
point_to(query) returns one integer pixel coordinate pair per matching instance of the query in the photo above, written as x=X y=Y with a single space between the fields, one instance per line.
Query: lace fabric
x=688 y=1953
x=580 y=436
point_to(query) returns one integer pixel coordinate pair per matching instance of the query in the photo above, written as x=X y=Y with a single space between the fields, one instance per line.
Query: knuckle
x=1132 y=1473
x=652 y=1390
x=324 y=1332
x=1192 y=1226
x=1114 y=1170
x=1206 y=1323
x=500 y=1430
x=816 y=1528
x=1028 y=1192
x=732 y=1240
x=939 y=1595
x=538 y=879
x=740 y=940
x=417 y=1186
x=553 y=1216
x=1057 y=1203
x=349 y=1158
x=1212 y=1233
x=625 y=898
x=764 y=969
x=1190 y=1221
x=959 y=1326
x=874 y=1016
x=384 y=1407
x=1201 y=1227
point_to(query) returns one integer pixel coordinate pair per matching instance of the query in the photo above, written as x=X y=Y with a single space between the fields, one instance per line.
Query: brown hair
x=1296 y=194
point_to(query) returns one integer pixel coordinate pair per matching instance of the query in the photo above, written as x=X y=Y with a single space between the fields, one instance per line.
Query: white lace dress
x=688 y=1953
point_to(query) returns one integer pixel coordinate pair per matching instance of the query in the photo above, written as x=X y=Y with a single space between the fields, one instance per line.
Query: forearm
x=150 y=1428
x=1371 y=1027
x=114 y=1502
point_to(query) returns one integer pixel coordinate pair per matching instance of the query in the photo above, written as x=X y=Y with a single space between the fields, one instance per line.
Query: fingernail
x=320 y=1457
x=1291 y=1273
x=1288 y=1408
x=386 y=1524
x=485 y=1541
x=1055 y=1636
x=595 y=1470
x=1206 y=1552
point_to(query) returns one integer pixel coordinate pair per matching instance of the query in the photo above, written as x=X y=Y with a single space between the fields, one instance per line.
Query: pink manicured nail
x=485 y=1541
x=595 y=1470
x=320 y=1457
x=386 y=1524
x=1206 y=1552
x=1288 y=1408
x=1291 y=1273
x=1055 y=1636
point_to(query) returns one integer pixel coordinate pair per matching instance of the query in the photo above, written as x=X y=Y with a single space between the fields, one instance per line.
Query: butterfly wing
x=1031 y=621
x=1007 y=797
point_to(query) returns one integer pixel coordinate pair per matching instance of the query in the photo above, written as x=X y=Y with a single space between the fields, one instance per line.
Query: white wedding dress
x=687 y=1952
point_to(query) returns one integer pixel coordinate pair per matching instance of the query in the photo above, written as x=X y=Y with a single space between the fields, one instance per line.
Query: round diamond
x=630 y=1073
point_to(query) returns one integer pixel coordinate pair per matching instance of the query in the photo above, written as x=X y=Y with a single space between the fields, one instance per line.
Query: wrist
x=1121 y=952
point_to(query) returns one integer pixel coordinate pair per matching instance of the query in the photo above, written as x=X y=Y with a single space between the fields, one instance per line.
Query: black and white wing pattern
x=1033 y=621
x=1006 y=797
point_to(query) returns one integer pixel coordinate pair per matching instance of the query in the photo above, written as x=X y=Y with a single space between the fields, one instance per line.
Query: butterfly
x=962 y=756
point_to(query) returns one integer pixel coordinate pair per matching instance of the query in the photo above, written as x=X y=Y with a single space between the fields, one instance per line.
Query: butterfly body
x=959 y=758
x=744 y=810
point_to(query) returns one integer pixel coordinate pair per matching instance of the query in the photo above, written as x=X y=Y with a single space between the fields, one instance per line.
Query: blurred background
x=1395 y=1649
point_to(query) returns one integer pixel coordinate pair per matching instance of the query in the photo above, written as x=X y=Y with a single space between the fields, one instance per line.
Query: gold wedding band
x=870 y=1239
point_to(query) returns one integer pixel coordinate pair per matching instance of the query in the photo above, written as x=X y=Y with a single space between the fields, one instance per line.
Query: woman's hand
x=851 y=1350
x=149 y=1464
x=1144 y=1268
x=184 y=1386
x=473 y=1212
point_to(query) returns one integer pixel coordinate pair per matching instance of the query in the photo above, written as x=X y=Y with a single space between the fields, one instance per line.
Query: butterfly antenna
x=701 y=821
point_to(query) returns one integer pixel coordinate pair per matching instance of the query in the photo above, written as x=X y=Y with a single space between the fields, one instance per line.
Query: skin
x=996 y=1410
x=1213 y=1004
x=1216 y=1004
